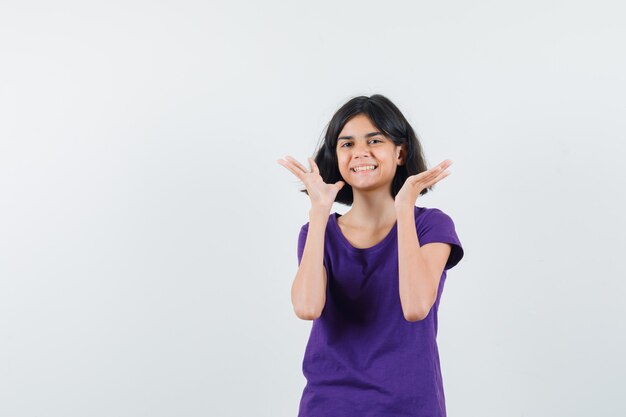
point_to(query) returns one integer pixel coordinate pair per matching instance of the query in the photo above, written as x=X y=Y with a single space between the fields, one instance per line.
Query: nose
x=360 y=149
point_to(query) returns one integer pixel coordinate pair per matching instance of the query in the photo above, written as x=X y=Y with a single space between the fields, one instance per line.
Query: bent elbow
x=307 y=314
x=416 y=314
x=412 y=317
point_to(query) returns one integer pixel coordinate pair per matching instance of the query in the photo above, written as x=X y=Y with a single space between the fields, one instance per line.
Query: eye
x=349 y=143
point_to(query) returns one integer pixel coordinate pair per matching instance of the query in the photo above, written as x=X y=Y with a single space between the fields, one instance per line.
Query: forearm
x=416 y=282
x=308 y=291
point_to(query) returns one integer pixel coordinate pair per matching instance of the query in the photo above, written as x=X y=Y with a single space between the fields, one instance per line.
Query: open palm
x=414 y=184
x=321 y=194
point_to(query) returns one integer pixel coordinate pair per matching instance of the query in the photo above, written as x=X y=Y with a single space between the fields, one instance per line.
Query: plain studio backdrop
x=148 y=236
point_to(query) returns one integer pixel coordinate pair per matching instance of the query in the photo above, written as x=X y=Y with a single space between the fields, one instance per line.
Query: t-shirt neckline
x=347 y=244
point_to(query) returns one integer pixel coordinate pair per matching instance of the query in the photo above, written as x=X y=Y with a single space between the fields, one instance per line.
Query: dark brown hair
x=389 y=120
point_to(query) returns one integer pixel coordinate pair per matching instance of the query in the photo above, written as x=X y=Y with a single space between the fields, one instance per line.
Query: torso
x=360 y=238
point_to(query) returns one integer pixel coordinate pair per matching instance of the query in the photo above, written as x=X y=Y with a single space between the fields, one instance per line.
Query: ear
x=401 y=154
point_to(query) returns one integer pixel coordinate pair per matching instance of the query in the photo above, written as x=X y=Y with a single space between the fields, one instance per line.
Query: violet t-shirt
x=363 y=358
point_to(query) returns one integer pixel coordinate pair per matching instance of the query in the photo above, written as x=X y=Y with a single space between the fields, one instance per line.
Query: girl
x=371 y=279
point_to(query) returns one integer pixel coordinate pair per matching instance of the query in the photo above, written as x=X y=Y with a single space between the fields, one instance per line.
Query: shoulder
x=435 y=225
x=431 y=214
x=304 y=229
x=433 y=221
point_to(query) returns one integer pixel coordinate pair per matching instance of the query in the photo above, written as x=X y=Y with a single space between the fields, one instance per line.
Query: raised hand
x=413 y=186
x=321 y=194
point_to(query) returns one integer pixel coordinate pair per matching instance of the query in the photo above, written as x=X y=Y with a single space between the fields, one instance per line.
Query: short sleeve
x=437 y=226
x=304 y=230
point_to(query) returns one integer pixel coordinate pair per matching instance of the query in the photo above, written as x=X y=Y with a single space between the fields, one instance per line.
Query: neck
x=372 y=208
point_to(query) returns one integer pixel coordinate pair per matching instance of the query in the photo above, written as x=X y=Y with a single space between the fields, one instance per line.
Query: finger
x=291 y=167
x=438 y=178
x=442 y=166
x=314 y=167
x=433 y=172
x=296 y=163
x=430 y=177
x=426 y=176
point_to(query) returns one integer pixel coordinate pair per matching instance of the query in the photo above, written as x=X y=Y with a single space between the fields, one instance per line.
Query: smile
x=364 y=168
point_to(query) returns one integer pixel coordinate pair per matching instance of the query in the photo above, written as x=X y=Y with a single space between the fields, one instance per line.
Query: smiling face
x=367 y=158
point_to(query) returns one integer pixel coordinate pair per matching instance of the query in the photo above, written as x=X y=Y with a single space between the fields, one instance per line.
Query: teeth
x=365 y=168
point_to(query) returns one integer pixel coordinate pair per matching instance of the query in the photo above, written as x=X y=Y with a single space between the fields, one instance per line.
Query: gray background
x=148 y=236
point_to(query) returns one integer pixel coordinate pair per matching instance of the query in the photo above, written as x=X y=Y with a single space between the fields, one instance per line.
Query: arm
x=420 y=268
x=308 y=291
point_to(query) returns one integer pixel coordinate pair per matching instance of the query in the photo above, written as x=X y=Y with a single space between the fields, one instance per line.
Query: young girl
x=371 y=279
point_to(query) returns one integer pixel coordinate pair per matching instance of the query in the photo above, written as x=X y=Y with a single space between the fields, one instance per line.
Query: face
x=360 y=143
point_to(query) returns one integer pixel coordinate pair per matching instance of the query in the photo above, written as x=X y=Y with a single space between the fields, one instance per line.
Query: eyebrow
x=368 y=135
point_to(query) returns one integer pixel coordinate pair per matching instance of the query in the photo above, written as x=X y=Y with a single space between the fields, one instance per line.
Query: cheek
x=341 y=161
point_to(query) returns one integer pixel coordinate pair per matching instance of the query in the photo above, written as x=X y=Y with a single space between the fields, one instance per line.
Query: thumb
x=339 y=184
